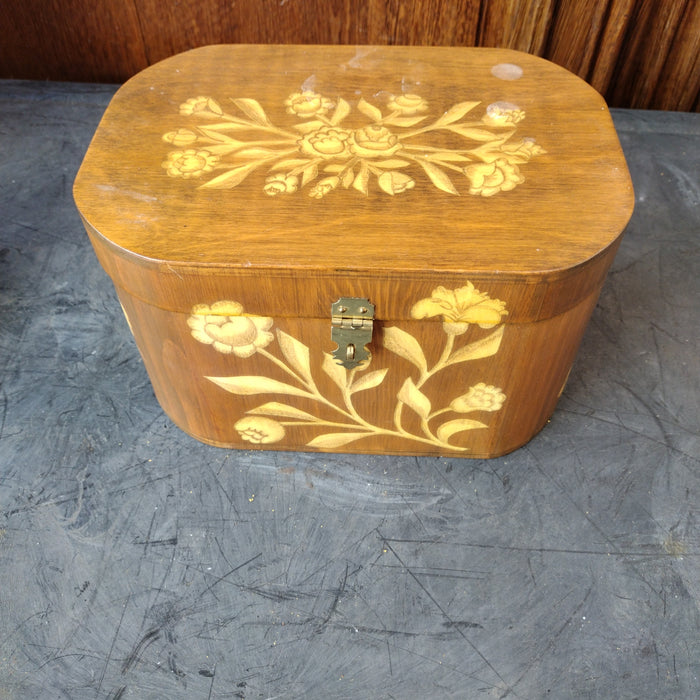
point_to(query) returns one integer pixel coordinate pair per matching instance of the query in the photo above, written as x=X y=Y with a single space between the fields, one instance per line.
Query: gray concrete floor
x=138 y=563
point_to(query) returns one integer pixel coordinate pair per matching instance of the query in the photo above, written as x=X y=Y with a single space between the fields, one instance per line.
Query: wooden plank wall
x=638 y=53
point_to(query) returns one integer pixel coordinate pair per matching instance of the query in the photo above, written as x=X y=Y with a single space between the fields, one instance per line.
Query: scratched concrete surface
x=138 y=563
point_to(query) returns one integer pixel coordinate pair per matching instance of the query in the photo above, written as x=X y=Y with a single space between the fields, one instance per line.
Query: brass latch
x=351 y=328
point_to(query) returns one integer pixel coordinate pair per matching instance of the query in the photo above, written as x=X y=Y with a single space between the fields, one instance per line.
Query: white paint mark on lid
x=309 y=85
x=360 y=53
x=507 y=71
x=496 y=109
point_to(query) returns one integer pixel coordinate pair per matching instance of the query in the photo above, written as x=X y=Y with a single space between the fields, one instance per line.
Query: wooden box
x=442 y=218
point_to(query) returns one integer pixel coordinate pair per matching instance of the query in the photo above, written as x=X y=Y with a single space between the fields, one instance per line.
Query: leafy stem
x=423 y=161
x=314 y=392
x=444 y=357
x=275 y=360
x=426 y=429
x=270 y=128
x=424 y=376
x=328 y=423
x=434 y=149
x=436 y=126
x=347 y=398
x=248 y=144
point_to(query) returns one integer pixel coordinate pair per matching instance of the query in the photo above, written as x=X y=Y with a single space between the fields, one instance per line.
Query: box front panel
x=455 y=379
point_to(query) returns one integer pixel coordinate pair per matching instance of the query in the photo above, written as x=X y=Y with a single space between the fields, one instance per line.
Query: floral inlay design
x=228 y=329
x=321 y=152
x=223 y=326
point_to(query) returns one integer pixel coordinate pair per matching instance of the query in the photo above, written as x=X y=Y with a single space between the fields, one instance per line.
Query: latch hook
x=351 y=328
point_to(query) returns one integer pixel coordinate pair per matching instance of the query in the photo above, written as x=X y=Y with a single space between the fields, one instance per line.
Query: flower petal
x=425 y=308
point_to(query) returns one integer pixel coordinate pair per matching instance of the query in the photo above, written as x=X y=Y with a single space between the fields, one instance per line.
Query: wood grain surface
x=181 y=218
x=139 y=564
x=637 y=53
x=529 y=229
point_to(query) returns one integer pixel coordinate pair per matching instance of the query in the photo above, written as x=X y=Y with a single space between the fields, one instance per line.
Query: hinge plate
x=351 y=328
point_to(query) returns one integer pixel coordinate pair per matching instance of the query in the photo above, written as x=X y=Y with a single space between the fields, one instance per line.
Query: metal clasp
x=351 y=328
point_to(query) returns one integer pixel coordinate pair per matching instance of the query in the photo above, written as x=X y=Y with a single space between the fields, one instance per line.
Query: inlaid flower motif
x=201 y=105
x=260 y=430
x=407 y=104
x=181 y=137
x=324 y=187
x=333 y=417
x=224 y=326
x=480 y=397
x=461 y=307
x=307 y=104
x=394 y=182
x=327 y=142
x=374 y=141
x=281 y=184
x=488 y=179
x=395 y=144
x=190 y=163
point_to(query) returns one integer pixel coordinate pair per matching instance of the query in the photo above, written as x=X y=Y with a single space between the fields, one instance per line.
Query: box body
x=474 y=197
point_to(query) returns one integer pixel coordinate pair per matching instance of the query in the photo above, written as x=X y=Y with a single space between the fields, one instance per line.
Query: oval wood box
x=460 y=207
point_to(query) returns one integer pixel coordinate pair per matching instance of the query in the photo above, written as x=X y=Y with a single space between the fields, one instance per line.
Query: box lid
x=403 y=163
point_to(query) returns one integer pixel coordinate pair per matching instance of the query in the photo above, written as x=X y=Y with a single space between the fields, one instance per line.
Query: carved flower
x=307 y=104
x=488 y=179
x=480 y=397
x=324 y=187
x=189 y=163
x=201 y=105
x=280 y=184
x=460 y=307
x=407 y=104
x=260 y=430
x=503 y=114
x=326 y=142
x=374 y=141
x=224 y=326
x=181 y=137
x=394 y=182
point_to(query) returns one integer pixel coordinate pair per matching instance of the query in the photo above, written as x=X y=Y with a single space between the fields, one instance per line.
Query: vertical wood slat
x=652 y=28
x=85 y=40
x=610 y=44
x=678 y=85
x=419 y=22
x=574 y=35
x=637 y=53
x=516 y=24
